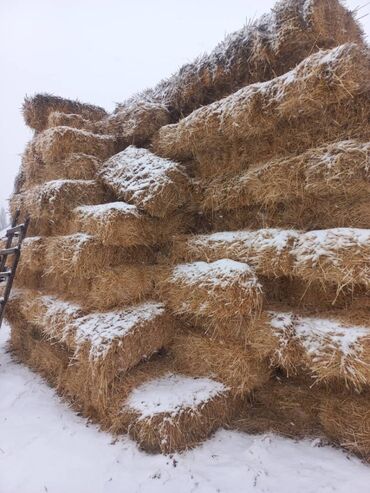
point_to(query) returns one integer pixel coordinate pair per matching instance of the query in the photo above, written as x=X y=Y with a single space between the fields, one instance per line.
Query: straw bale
x=122 y=224
x=73 y=120
x=37 y=109
x=340 y=168
x=259 y=51
x=119 y=286
x=50 y=205
x=322 y=79
x=55 y=144
x=175 y=412
x=332 y=347
x=154 y=184
x=31 y=264
x=338 y=255
x=283 y=406
x=315 y=295
x=267 y=250
x=307 y=213
x=224 y=292
x=76 y=166
x=236 y=367
x=136 y=121
x=346 y=420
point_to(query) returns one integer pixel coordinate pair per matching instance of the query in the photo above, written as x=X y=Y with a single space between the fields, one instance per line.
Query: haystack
x=36 y=110
x=338 y=169
x=346 y=421
x=330 y=347
x=175 y=412
x=50 y=205
x=267 y=250
x=122 y=224
x=339 y=255
x=236 y=367
x=320 y=80
x=259 y=51
x=156 y=185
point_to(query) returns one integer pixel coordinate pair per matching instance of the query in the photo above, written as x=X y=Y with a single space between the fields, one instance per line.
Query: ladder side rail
x=9 y=241
x=13 y=271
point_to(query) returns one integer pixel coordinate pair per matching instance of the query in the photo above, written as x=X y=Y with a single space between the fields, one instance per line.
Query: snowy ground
x=45 y=447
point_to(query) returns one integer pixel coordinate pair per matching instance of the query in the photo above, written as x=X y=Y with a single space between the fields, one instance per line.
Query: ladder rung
x=8 y=273
x=9 y=251
x=15 y=229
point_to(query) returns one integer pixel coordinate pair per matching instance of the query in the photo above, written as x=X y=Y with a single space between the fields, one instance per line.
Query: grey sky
x=102 y=51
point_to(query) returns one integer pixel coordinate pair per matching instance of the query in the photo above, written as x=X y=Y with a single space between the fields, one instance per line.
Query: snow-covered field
x=45 y=447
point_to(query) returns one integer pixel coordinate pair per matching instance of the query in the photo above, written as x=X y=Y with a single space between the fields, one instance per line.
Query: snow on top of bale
x=220 y=273
x=173 y=394
x=154 y=184
x=102 y=211
x=67 y=322
x=267 y=249
x=330 y=348
x=100 y=329
x=340 y=255
x=221 y=292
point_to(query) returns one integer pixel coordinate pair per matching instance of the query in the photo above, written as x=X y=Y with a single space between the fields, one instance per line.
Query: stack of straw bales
x=201 y=257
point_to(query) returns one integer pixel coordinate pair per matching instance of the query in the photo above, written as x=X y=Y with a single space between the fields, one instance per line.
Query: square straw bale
x=339 y=168
x=346 y=421
x=267 y=250
x=37 y=109
x=122 y=224
x=230 y=363
x=156 y=185
x=338 y=255
x=50 y=204
x=331 y=347
x=56 y=144
x=224 y=291
x=175 y=412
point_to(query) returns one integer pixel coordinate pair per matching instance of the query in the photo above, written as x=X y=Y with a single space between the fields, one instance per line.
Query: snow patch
x=173 y=394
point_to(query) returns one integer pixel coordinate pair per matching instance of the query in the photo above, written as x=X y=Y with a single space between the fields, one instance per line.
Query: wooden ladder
x=17 y=232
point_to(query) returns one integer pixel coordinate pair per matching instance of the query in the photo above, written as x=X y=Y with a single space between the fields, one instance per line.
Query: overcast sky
x=102 y=51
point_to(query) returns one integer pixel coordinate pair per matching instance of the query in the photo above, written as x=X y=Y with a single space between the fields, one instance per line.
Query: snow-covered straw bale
x=267 y=250
x=222 y=291
x=338 y=169
x=338 y=255
x=122 y=224
x=50 y=205
x=323 y=79
x=156 y=185
x=330 y=348
x=175 y=412
x=31 y=264
x=37 y=109
x=103 y=344
x=346 y=421
x=236 y=367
